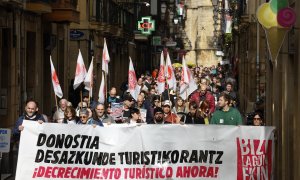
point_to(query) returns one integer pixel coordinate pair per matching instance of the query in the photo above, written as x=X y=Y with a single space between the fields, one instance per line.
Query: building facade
x=276 y=82
x=28 y=38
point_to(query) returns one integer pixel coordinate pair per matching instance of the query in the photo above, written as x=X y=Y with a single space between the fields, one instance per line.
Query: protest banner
x=66 y=151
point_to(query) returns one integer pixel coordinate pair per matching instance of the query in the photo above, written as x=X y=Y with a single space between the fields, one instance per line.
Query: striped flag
x=187 y=83
x=88 y=80
x=134 y=89
x=161 y=75
x=102 y=89
x=55 y=82
x=80 y=71
x=105 y=58
x=171 y=80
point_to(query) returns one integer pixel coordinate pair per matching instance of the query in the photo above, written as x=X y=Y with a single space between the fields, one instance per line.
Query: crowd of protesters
x=214 y=102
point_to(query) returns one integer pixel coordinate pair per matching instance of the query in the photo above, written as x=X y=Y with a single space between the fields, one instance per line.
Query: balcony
x=38 y=6
x=63 y=11
x=111 y=18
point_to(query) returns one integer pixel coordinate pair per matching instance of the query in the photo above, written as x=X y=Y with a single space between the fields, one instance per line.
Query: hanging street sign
x=146 y=25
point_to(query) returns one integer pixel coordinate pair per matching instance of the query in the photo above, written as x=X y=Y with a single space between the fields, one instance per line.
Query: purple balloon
x=286 y=17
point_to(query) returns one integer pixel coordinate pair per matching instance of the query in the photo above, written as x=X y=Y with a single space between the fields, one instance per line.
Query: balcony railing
x=111 y=13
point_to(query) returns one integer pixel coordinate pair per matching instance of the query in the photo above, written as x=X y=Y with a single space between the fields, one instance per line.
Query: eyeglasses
x=83 y=117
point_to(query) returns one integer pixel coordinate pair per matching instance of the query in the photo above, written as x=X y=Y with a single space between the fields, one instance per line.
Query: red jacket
x=196 y=97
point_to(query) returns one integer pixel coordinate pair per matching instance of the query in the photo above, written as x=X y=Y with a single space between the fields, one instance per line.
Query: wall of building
x=199 y=29
x=281 y=79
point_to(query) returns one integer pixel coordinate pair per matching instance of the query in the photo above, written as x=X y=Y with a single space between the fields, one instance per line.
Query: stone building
x=199 y=29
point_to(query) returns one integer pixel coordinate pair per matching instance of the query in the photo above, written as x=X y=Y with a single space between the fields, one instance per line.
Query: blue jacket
x=16 y=132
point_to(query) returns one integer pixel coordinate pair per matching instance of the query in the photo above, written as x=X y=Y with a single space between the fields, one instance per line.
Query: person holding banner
x=159 y=116
x=168 y=115
x=70 y=116
x=135 y=116
x=31 y=113
x=226 y=115
x=100 y=117
x=193 y=117
x=83 y=116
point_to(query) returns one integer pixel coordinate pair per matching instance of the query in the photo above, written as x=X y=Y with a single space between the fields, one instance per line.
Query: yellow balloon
x=266 y=16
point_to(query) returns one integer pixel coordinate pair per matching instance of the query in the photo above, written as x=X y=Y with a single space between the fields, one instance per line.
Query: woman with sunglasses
x=258 y=119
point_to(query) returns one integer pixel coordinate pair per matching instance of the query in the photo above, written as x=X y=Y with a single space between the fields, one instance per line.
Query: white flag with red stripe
x=161 y=75
x=187 y=82
x=171 y=80
x=102 y=90
x=55 y=82
x=105 y=58
x=133 y=87
x=88 y=80
x=80 y=71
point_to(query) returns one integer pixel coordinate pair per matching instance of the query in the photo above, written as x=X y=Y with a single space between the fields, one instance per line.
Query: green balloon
x=276 y=5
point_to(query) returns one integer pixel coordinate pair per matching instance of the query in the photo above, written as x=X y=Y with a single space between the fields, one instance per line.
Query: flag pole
x=170 y=101
x=81 y=99
x=56 y=102
x=105 y=85
x=89 y=102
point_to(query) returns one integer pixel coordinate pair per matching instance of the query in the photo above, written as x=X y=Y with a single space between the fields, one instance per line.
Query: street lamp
x=176 y=20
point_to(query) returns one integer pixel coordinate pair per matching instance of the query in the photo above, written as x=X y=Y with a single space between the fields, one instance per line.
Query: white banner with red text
x=70 y=151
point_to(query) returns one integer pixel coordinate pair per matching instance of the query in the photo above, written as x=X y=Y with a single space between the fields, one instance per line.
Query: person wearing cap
x=168 y=115
x=81 y=105
x=83 y=116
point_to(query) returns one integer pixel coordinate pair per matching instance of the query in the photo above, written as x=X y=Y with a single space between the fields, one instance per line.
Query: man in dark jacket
x=31 y=113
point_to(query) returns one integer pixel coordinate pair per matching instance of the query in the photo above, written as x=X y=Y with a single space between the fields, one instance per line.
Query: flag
x=187 y=82
x=171 y=80
x=132 y=82
x=105 y=58
x=228 y=21
x=55 y=82
x=102 y=89
x=161 y=75
x=80 y=71
x=88 y=80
